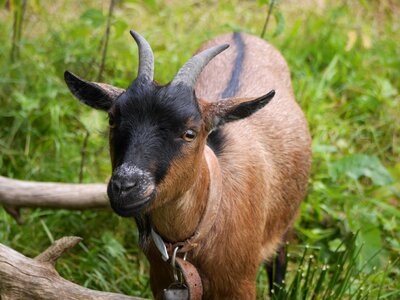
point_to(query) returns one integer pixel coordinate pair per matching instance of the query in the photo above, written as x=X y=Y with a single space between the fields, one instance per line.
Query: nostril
x=124 y=185
x=129 y=182
x=116 y=185
x=130 y=185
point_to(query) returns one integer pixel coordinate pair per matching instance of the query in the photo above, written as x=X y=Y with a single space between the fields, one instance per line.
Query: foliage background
x=345 y=63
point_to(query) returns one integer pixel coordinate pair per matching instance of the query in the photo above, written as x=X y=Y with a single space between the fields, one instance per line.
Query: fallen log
x=16 y=194
x=25 y=278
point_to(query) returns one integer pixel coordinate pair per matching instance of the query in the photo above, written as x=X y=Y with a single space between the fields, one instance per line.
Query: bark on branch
x=25 y=278
x=16 y=194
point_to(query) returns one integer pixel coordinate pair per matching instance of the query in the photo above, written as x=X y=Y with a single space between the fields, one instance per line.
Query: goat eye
x=111 y=121
x=189 y=135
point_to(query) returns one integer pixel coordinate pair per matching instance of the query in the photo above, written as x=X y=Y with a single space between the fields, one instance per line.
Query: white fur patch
x=128 y=170
x=145 y=179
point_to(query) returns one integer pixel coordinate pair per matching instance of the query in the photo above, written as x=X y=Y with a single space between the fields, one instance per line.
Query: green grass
x=345 y=64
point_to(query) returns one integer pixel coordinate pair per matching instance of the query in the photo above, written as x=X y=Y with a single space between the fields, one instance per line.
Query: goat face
x=151 y=128
x=158 y=133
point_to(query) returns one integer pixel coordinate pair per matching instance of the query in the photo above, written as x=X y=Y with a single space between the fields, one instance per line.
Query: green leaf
x=280 y=23
x=120 y=27
x=366 y=222
x=318 y=148
x=151 y=3
x=93 y=121
x=358 y=165
x=370 y=237
x=387 y=89
x=390 y=209
x=336 y=245
x=93 y=17
x=27 y=104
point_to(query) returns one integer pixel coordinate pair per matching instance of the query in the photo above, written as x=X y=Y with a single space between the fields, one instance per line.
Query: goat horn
x=146 y=58
x=191 y=70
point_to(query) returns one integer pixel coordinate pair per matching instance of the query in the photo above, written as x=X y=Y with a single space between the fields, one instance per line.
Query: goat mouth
x=129 y=208
x=129 y=204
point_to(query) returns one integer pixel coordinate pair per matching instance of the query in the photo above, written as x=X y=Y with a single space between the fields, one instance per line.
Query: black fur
x=217 y=138
x=216 y=141
x=143 y=223
x=150 y=121
x=88 y=92
x=276 y=269
x=233 y=85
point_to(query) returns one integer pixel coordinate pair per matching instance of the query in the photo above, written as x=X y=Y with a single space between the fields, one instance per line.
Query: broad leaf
x=358 y=165
x=94 y=17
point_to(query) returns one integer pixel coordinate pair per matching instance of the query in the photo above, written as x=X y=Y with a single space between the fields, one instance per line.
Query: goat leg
x=276 y=268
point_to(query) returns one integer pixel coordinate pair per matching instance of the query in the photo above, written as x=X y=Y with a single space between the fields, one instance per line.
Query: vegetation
x=345 y=63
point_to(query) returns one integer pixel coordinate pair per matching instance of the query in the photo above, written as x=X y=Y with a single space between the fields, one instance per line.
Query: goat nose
x=121 y=185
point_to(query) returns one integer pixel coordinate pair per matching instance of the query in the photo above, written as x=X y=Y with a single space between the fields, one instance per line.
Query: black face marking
x=150 y=121
x=89 y=93
x=143 y=223
x=233 y=85
x=216 y=141
x=146 y=137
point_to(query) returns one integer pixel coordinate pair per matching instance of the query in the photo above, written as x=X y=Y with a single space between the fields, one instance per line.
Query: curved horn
x=146 y=58
x=190 y=71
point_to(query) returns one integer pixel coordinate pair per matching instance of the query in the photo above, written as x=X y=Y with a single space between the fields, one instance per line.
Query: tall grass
x=345 y=64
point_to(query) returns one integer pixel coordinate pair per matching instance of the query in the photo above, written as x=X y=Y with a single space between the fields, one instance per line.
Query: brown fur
x=265 y=168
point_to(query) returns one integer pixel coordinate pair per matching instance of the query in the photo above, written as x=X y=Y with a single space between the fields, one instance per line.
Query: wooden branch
x=271 y=5
x=25 y=278
x=59 y=247
x=83 y=154
x=106 y=38
x=19 y=194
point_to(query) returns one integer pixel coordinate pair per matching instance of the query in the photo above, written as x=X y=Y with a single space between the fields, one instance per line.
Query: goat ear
x=97 y=95
x=224 y=111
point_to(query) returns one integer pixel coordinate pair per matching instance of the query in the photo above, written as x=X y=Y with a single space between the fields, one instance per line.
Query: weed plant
x=345 y=62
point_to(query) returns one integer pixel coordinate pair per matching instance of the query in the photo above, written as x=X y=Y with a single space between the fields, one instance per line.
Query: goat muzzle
x=130 y=190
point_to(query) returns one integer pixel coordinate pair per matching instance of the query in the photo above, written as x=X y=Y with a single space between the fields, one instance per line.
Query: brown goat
x=175 y=160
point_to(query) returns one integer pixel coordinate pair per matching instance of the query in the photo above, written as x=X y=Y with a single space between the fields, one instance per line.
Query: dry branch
x=19 y=194
x=25 y=278
x=16 y=194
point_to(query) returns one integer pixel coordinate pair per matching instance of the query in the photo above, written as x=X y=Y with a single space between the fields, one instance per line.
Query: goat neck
x=190 y=218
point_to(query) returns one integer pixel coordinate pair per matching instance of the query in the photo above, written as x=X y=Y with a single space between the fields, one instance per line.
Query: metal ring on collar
x=173 y=264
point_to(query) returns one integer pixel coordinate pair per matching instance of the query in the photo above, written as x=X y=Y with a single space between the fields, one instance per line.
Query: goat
x=212 y=135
